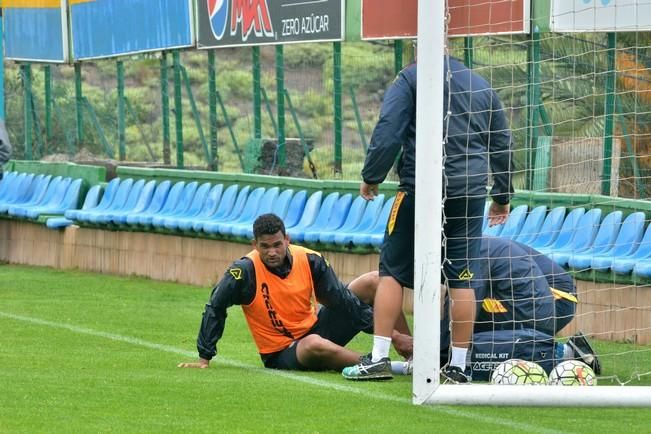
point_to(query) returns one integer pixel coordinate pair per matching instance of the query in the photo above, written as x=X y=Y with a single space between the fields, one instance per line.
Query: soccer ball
x=517 y=371
x=572 y=373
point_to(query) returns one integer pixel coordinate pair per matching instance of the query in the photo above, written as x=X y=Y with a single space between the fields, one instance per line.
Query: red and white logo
x=251 y=16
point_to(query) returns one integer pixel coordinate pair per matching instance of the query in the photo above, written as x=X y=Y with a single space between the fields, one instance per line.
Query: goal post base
x=540 y=396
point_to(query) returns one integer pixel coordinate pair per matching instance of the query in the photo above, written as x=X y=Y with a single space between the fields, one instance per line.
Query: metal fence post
x=80 y=104
x=26 y=70
x=178 y=108
x=47 y=78
x=212 y=109
x=338 y=109
x=609 y=113
x=280 y=95
x=122 y=148
x=257 y=99
x=165 y=109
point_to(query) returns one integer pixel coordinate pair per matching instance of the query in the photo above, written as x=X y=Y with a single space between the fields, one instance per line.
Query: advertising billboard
x=600 y=15
x=109 y=28
x=35 y=30
x=224 y=23
x=390 y=19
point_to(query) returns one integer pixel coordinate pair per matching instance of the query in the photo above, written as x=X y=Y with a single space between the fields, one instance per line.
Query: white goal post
x=428 y=226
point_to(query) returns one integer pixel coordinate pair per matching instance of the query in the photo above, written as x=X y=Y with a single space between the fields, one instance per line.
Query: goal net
x=566 y=278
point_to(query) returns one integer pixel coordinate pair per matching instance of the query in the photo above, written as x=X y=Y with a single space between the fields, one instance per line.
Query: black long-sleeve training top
x=477 y=132
x=238 y=287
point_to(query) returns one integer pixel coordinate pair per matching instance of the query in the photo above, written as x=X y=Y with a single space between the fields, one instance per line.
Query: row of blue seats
x=580 y=239
x=30 y=196
x=230 y=211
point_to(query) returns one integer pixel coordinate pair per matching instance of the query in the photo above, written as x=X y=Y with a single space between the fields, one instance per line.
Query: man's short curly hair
x=268 y=224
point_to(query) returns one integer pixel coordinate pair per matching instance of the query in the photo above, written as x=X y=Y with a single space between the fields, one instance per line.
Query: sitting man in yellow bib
x=301 y=316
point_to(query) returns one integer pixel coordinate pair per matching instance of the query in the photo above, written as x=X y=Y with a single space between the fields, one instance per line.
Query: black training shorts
x=331 y=324
x=461 y=241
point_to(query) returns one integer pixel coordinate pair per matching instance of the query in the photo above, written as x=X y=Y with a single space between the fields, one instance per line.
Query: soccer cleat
x=584 y=352
x=409 y=366
x=455 y=375
x=366 y=369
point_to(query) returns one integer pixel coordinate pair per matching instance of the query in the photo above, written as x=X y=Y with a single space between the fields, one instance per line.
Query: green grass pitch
x=83 y=352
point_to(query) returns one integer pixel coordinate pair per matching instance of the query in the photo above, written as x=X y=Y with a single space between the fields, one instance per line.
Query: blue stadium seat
x=66 y=197
x=630 y=233
x=209 y=207
x=628 y=240
x=532 y=224
x=625 y=264
x=492 y=231
x=281 y=208
x=169 y=205
x=324 y=210
x=200 y=196
x=583 y=237
x=281 y=205
x=606 y=236
x=566 y=233
x=550 y=228
x=19 y=191
x=143 y=197
x=643 y=268
x=126 y=207
x=70 y=200
x=224 y=207
x=91 y=201
x=41 y=184
x=266 y=204
x=21 y=211
x=7 y=183
x=107 y=198
x=181 y=207
x=54 y=200
x=119 y=202
x=514 y=223
x=484 y=224
x=376 y=235
x=295 y=209
x=335 y=219
x=212 y=226
x=155 y=204
x=249 y=211
x=366 y=223
x=353 y=218
x=308 y=214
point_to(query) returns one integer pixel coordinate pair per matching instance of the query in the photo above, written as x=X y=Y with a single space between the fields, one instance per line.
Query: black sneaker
x=584 y=352
x=366 y=369
x=454 y=374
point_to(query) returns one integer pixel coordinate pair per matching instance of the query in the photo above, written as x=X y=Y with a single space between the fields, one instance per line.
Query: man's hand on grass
x=201 y=364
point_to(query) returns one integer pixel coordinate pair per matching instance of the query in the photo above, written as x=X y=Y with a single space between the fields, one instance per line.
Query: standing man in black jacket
x=477 y=135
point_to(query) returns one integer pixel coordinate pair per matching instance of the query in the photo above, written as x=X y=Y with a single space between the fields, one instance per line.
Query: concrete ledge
x=174 y=258
x=609 y=311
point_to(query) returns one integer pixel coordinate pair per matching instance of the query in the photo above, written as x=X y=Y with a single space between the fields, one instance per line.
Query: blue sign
x=110 y=28
x=35 y=31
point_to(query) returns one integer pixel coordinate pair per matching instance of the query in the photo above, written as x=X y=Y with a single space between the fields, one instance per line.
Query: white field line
x=290 y=375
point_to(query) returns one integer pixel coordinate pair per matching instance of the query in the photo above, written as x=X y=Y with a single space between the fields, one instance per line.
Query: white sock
x=400 y=368
x=381 y=347
x=459 y=357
